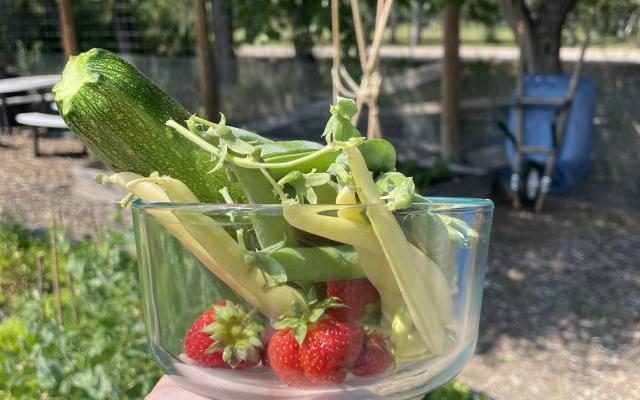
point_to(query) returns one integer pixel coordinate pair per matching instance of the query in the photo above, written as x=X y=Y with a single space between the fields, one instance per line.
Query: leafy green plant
x=455 y=390
x=423 y=177
x=99 y=352
x=18 y=251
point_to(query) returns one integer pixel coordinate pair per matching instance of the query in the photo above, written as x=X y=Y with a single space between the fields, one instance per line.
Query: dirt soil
x=561 y=313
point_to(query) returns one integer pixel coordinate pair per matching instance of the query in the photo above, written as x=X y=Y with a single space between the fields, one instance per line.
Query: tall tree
x=301 y=22
x=541 y=35
x=416 y=23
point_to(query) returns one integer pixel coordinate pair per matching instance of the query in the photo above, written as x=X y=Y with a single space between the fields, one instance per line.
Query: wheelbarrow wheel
x=530 y=183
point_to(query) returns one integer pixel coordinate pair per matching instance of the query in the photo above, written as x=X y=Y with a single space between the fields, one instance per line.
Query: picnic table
x=36 y=83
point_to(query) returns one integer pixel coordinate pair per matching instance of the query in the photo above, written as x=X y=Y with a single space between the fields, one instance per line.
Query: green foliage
x=455 y=390
x=18 y=251
x=423 y=177
x=166 y=26
x=102 y=355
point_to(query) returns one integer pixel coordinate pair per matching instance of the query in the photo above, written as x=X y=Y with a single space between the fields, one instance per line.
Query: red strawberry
x=225 y=336
x=311 y=348
x=375 y=358
x=357 y=344
x=284 y=358
x=326 y=351
x=355 y=294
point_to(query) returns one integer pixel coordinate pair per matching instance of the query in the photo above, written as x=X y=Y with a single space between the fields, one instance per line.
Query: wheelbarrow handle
x=505 y=129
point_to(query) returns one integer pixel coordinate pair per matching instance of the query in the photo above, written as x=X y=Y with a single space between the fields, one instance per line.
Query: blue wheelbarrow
x=550 y=133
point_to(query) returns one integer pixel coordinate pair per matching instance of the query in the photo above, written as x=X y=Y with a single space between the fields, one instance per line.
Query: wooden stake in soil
x=67 y=29
x=94 y=225
x=40 y=267
x=449 y=89
x=335 y=33
x=367 y=91
x=67 y=276
x=54 y=270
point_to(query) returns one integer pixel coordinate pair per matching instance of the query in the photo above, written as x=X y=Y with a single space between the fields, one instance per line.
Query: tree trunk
x=124 y=26
x=303 y=45
x=206 y=66
x=542 y=32
x=416 y=23
x=225 y=58
x=51 y=15
x=393 y=23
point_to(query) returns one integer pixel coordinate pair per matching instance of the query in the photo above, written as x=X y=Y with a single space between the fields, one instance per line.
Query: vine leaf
x=273 y=272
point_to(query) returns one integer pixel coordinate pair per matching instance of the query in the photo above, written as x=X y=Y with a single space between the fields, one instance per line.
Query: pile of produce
x=313 y=314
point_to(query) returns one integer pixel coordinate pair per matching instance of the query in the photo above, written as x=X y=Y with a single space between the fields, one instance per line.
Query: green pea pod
x=289 y=147
x=269 y=229
x=320 y=164
x=379 y=155
x=319 y=264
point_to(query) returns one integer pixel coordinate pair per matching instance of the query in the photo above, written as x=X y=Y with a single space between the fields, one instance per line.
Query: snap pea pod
x=379 y=155
x=320 y=163
x=269 y=229
x=319 y=264
x=247 y=136
x=287 y=147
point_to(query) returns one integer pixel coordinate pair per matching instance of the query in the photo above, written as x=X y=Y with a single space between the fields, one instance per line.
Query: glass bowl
x=191 y=257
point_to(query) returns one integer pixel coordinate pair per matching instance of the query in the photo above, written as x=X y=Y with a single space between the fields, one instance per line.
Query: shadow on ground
x=571 y=272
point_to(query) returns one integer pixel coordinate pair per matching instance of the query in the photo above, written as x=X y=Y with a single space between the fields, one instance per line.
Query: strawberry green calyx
x=236 y=333
x=314 y=312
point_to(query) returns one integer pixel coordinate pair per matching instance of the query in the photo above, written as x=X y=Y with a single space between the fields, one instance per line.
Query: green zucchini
x=120 y=116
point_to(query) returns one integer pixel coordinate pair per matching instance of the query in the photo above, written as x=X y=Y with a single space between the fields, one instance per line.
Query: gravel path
x=561 y=314
x=32 y=188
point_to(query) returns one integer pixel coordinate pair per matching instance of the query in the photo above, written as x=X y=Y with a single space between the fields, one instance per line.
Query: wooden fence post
x=449 y=89
x=209 y=93
x=67 y=30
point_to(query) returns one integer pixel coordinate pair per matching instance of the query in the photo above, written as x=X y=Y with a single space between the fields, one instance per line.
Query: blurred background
x=561 y=318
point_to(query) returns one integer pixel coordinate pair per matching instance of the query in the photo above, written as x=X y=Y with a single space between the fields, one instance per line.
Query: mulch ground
x=561 y=312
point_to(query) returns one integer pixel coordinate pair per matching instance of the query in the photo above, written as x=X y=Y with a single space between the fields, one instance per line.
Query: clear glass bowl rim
x=444 y=205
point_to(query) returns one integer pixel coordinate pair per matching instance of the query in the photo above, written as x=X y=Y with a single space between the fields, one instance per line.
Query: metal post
x=449 y=88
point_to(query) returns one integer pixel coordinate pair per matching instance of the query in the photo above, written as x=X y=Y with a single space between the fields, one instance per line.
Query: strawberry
x=357 y=343
x=326 y=352
x=314 y=348
x=375 y=358
x=225 y=336
x=355 y=294
x=283 y=354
